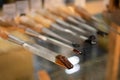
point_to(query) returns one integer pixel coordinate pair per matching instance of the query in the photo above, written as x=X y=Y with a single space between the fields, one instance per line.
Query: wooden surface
x=16 y=65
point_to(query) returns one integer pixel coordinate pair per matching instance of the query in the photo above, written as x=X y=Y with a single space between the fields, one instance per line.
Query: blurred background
x=99 y=61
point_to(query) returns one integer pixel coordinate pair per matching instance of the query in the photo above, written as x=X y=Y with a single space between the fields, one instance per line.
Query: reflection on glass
x=74 y=60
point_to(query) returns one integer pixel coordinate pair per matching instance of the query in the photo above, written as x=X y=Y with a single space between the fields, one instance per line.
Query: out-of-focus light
x=74 y=60
x=73 y=70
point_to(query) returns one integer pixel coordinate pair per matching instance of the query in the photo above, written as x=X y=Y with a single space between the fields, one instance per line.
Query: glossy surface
x=90 y=65
x=64 y=62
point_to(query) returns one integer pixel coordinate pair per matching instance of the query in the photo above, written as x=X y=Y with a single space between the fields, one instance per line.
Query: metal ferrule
x=50 y=33
x=31 y=32
x=15 y=40
x=71 y=19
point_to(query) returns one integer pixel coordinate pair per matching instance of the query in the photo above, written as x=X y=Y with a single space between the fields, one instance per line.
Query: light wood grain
x=114 y=54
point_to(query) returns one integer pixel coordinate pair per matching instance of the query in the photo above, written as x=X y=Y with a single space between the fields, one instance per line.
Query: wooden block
x=16 y=65
x=114 y=54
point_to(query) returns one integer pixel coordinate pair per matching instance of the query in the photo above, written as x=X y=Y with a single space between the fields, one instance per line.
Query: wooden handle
x=57 y=13
x=3 y=33
x=82 y=12
x=8 y=25
x=48 y=15
x=64 y=10
x=67 y=10
x=29 y=23
x=40 y=19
